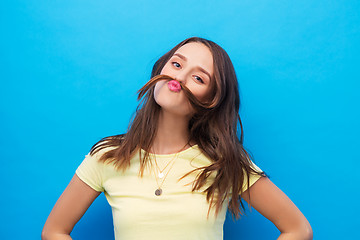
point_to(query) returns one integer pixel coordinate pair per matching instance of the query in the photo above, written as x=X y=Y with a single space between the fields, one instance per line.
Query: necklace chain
x=161 y=175
x=158 y=191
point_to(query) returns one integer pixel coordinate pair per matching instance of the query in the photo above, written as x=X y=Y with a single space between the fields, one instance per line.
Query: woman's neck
x=172 y=134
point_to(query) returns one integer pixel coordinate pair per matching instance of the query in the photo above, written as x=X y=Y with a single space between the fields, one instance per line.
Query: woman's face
x=191 y=64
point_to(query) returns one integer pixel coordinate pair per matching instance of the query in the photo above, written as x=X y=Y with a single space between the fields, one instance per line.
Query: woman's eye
x=176 y=64
x=199 y=79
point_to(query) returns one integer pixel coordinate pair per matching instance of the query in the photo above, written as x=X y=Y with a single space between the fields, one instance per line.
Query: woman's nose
x=181 y=77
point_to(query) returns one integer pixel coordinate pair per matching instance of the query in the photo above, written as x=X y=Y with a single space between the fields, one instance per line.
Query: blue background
x=70 y=71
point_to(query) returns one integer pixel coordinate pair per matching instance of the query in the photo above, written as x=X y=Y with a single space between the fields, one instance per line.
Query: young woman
x=181 y=164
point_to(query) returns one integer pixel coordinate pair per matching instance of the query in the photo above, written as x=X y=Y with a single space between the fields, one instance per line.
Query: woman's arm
x=273 y=204
x=68 y=210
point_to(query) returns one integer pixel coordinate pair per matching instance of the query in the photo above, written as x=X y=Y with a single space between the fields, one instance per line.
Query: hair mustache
x=197 y=105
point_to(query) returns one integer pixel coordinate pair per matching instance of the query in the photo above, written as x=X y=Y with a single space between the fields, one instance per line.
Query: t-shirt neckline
x=172 y=154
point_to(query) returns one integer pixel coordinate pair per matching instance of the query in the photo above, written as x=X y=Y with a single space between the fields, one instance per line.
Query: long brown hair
x=213 y=127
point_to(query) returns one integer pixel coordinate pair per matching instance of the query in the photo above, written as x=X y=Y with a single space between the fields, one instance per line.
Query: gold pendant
x=158 y=192
x=161 y=175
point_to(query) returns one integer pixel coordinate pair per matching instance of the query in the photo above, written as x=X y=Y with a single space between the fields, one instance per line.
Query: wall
x=70 y=71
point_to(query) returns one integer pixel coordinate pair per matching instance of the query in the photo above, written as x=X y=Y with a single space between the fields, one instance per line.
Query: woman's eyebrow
x=180 y=56
x=185 y=59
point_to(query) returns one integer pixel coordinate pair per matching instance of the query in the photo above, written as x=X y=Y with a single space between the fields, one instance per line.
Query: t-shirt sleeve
x=90 y=171
x=253 y=177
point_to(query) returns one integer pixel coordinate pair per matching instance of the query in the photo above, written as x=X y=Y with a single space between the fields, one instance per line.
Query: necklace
x=161 y=172
x=158 y=191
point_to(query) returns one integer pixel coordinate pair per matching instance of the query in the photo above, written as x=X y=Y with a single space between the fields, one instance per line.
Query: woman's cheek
x=158 y=87
x=166 y=70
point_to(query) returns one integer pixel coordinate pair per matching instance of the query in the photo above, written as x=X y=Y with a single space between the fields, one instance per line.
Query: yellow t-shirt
x=177 y=214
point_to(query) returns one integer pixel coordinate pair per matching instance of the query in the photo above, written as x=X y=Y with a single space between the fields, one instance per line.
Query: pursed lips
x=174 y=86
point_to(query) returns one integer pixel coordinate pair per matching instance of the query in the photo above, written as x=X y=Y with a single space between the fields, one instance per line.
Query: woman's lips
x=174 y=86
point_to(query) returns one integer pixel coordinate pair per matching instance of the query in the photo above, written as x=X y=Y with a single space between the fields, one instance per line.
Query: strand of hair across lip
x=151 y=83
